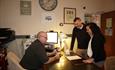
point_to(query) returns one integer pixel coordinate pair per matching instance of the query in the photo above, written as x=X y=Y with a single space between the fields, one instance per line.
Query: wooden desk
x=65 y=64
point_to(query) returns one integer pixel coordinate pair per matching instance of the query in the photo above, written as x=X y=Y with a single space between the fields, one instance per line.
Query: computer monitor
x=52 y=37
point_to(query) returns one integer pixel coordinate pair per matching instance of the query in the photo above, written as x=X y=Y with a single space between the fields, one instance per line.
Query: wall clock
x=48 y=5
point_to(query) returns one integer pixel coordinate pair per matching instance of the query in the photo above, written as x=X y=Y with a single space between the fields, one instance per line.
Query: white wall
x=108 y=5
x=24 y=24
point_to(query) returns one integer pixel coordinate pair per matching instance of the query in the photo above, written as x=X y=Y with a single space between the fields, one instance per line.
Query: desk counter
x=64 y=64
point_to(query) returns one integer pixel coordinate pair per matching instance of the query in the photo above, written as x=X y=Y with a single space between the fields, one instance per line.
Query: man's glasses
x=44 y=37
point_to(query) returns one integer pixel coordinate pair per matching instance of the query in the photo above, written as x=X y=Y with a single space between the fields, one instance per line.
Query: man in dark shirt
x=35 y=55
x=79 y=33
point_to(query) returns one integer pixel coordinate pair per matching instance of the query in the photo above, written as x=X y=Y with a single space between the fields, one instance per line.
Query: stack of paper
x=76 y=57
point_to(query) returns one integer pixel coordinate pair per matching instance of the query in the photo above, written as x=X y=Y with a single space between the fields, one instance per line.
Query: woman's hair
x=94 y=28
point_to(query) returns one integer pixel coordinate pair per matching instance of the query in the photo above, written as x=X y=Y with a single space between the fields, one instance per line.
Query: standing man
x=79 y=33
x=35 y=56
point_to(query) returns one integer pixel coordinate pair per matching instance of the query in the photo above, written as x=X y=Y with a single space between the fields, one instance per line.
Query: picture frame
x=25 y=7
x=69 y=15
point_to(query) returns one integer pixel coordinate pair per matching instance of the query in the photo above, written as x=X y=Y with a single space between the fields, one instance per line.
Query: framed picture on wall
x=25 y=7
x=69 y=15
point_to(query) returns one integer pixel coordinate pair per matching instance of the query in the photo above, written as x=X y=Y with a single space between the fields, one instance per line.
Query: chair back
x=110 y=63
x=13 y=62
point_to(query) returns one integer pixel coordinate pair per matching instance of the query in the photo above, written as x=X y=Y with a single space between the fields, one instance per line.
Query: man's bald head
x=41 y=33
x=42 y=36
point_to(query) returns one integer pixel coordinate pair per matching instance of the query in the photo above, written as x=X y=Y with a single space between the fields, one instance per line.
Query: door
x=109 y=18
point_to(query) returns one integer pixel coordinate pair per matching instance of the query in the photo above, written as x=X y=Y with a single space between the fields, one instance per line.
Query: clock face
x=48 y=5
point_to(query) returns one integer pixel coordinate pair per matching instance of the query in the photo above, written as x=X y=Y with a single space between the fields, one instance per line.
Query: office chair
x=13 y=62
x=110 y=63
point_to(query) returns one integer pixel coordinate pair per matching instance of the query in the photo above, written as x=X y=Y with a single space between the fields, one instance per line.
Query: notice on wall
x=25 y=7
x=108 y=29
x=93 y=18
x=47 y=17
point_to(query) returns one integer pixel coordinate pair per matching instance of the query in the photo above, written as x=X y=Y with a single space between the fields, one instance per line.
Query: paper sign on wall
x=108 y=29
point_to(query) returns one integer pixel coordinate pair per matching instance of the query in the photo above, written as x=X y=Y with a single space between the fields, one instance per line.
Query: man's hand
x=51 y=53
x=58 y=55
x=54 y=52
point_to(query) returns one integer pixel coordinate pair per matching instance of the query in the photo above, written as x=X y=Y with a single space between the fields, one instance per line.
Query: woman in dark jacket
x=95 y=49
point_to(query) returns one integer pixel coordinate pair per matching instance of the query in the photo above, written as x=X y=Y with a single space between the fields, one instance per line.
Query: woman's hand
x=89 y=60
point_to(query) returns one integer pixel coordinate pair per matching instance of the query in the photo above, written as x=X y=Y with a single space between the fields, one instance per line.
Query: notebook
x=75 y=57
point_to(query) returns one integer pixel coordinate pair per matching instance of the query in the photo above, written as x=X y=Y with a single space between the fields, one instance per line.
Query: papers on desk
x=76 y=57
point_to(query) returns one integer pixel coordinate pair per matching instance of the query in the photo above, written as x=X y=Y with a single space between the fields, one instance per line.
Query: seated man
x=35 y=55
